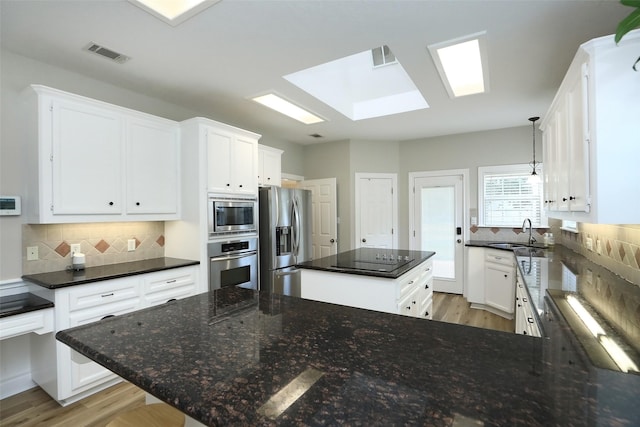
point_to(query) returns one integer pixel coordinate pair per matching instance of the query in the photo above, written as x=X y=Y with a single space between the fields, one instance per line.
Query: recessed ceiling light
x=463 y=65
x=174 y=12
x=287 y=108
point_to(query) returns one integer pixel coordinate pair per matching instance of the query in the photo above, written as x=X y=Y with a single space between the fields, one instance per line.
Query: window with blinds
x=507 y=197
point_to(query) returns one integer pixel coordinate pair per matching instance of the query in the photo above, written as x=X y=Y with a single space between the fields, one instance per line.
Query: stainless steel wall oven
x=233 y=263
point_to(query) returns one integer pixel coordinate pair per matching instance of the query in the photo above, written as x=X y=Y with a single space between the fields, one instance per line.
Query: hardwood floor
x=35 y=408
x=455 y=309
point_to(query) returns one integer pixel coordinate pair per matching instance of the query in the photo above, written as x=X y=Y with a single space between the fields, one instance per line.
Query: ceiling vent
x=107 y=53
x=382 y=56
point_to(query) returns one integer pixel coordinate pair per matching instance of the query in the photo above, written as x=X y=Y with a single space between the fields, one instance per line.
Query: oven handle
x=228 y=258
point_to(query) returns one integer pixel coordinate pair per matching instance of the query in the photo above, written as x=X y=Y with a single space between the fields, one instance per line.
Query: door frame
x=394 y=212
x=464 y=174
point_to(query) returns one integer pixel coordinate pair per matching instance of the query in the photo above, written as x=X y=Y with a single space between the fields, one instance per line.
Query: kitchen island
x=391 y=281
x=225 y=357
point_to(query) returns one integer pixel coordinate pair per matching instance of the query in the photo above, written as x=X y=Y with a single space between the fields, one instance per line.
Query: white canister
x=77 y=261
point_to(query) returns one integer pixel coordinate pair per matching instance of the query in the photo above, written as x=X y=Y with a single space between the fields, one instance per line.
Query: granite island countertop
x=223 y=356
x=384 y=263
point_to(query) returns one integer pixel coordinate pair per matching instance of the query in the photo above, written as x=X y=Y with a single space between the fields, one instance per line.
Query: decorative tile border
x=102 y=243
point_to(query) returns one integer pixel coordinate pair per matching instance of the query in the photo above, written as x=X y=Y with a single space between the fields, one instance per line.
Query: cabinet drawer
x=39 y=321
x=410 y=305
x=103 y=293
x=82 y=317
x=499 y=257
x=167 y=280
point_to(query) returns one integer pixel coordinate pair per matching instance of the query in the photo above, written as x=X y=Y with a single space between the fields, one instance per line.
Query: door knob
x=364 y=240
x=332 y=240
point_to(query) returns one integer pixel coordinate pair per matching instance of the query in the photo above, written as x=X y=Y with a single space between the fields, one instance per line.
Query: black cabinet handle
x=426 y=286
x=240 y=185
x=571 y=198
x=228 y=185
x=171 y=300
x=107 y=316
x=137 y=203
x=110 y=203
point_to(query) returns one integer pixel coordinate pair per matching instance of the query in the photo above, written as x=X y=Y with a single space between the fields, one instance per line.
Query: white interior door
x=324 y=235
x=438 y=206
x=376 y=211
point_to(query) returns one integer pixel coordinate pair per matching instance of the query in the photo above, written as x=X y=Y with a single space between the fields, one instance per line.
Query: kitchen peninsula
x=391 y=281
x=224 y=357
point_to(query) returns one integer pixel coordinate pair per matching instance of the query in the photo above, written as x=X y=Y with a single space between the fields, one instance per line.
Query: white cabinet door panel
x=87 y=148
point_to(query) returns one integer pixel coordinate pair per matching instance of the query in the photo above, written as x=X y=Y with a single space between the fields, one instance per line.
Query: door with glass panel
x=438 y=226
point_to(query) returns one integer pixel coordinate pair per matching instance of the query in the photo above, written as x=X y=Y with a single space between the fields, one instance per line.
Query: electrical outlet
x=131 y=245
x=32 y=253
x=598 y=247
x=75 y=248
x=589 y=243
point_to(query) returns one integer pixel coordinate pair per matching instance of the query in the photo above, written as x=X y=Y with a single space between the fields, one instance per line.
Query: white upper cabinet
x=269 y=166
x=97 y=162
x=232 y=160
x=590 y=136
x=153 y=147
x=86 y=171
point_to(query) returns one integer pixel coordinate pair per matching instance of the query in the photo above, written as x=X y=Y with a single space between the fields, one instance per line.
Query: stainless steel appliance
x=231 y=215
x=233 y=263
x=285 y=237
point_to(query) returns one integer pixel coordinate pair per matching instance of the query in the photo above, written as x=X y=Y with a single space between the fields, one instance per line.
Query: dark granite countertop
x=60 y=279
x=370 y=262
x=223 y=356
x=12 y=305
x=557 y=273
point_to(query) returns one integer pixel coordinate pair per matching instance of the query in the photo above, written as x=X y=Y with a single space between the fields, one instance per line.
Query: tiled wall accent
x=495 y=234
x=102 y=243
x=620 y=247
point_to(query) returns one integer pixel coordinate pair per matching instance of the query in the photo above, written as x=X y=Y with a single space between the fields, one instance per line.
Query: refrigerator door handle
x=276 y=196
x=297 y=227
x=294 y=230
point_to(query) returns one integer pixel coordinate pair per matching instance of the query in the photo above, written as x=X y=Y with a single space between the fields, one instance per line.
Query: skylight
x=355 y=87
x=287 y=108
x=174 y=12
x=462 y=65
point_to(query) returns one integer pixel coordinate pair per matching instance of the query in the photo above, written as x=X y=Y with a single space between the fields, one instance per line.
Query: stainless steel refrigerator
x=285 y=237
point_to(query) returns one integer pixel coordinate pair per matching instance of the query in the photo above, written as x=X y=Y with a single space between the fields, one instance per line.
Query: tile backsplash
x=102 y=243
x=497 y=234
x=619 y=247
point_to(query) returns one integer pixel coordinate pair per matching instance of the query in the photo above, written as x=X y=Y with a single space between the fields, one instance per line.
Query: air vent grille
x=382 y=56
x=107 y=53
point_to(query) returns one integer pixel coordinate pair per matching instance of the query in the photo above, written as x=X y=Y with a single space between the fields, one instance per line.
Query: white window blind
x=507 y=196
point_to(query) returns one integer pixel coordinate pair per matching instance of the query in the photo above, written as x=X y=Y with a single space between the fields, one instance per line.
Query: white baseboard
x=11 y=386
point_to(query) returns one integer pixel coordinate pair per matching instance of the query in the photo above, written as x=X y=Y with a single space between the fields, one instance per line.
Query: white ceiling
x=215 y=61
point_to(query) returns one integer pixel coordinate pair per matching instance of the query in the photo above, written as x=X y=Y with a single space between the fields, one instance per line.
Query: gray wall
x=462 y=151
x=331 y=160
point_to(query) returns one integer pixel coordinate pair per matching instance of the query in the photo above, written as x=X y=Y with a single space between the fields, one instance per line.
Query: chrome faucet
x=532 y=239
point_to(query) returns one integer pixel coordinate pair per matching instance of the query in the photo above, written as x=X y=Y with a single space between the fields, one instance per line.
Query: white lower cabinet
x=526 y=323
x=411 y=294
x=67 y=375
x=490 y=277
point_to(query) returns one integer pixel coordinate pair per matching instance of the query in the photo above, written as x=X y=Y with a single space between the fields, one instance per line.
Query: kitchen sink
x=506 y=245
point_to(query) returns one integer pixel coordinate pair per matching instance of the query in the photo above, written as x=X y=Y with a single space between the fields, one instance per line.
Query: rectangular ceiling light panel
x=287 y=108
x=174 y=12
x=462 y=65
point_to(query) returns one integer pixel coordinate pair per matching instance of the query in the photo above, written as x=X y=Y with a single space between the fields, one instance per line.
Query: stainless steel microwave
x=232 y=214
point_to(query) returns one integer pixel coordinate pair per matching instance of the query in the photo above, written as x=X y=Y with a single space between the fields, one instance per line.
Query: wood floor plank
x=453 y=308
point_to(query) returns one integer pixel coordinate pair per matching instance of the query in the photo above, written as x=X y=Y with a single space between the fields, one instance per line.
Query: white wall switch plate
x=589 y=243
x=75 y=248
x=131 y=245
x=32 y=253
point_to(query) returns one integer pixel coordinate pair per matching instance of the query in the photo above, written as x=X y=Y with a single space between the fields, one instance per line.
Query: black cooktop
x=387 y=263
x=372 y=260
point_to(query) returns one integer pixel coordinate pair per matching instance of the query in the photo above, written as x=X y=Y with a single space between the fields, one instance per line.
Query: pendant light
x=534 y=177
